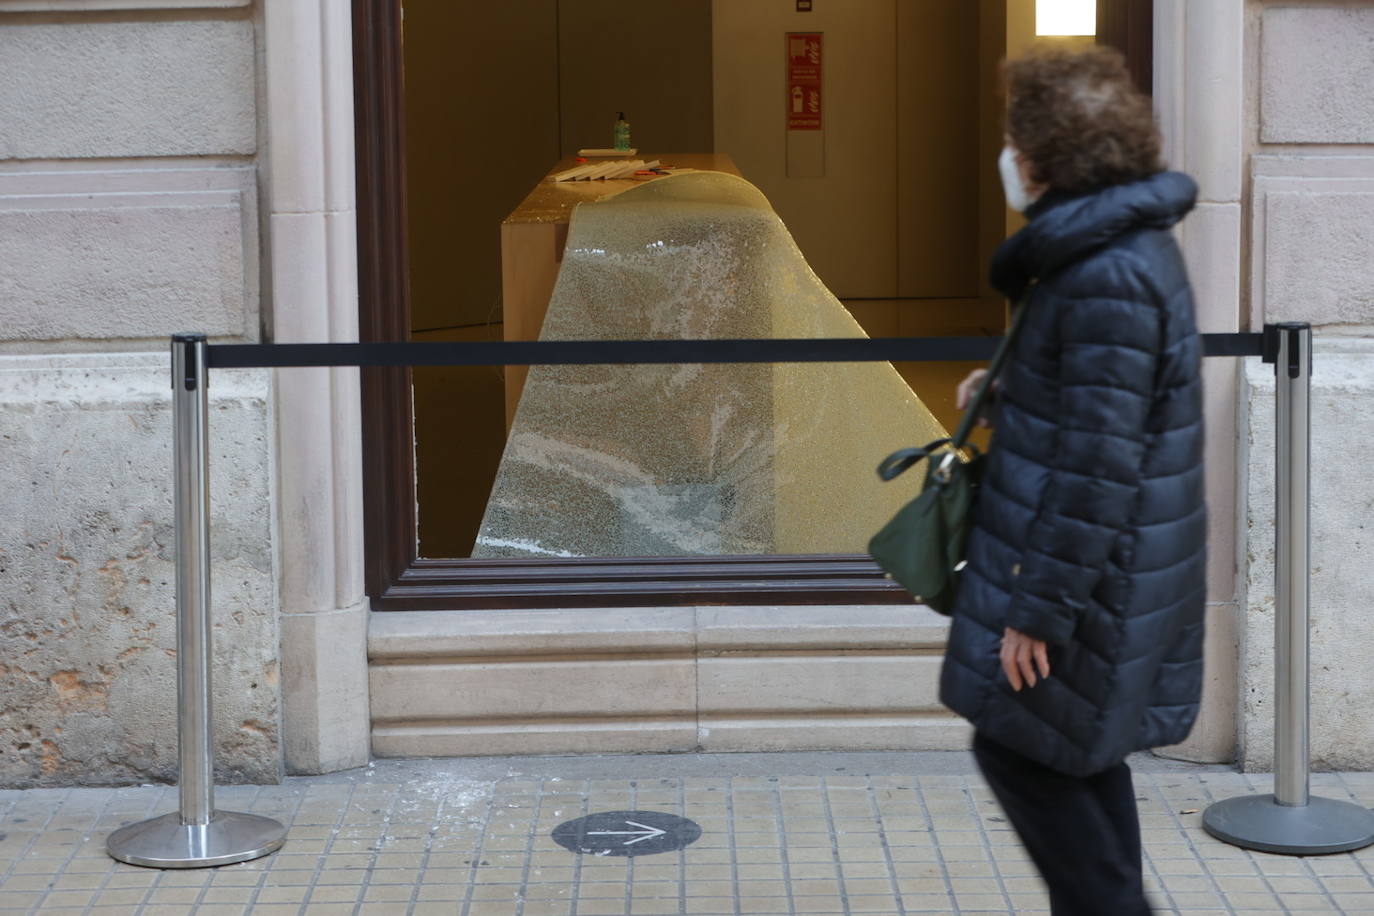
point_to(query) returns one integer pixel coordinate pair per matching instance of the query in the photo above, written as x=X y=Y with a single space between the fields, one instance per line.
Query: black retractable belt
x=630 y=352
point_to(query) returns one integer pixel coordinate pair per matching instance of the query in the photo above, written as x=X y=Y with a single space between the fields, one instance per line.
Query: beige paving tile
x=818 y=906
x=602 y=889
x=180 y=896
x=546 y=908
x=1254 y=902
x=19 y=899
x=78 y=881
x=1273 y=865
x=223 y=894
x=867 y=886
x=597 y=907
x=562 y=891
x=387 y=893
x=652 y=906
x=76 y=898
x=236 y=877
x=123 y=897
x=283 y=894
x=968 y=902
x=697 y=889
x=646 y=888
x=327 y=893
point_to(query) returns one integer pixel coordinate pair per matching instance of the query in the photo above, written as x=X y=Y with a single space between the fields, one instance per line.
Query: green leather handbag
x=922 y=547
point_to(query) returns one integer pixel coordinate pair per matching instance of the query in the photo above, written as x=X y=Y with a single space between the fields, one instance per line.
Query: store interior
x=894 y=201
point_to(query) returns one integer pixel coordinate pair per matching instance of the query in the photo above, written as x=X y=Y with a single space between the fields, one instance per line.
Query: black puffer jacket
x=1090 y=530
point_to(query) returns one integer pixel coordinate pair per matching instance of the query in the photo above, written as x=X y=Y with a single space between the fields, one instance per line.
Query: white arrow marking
x=649 y=835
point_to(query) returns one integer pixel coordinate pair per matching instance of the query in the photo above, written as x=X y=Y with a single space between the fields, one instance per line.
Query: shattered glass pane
x=692 y=459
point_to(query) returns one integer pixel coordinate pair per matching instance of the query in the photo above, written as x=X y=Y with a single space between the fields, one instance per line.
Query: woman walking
x=1077 y=634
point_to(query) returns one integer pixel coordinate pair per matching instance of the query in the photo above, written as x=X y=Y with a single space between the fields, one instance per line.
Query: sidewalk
x=859 y=833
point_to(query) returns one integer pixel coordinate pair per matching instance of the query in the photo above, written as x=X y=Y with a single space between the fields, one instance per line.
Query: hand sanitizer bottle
x=622 y=132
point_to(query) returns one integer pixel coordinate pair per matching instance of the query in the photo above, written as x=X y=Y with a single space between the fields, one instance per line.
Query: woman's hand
x=966 y=389
x=1018 y=652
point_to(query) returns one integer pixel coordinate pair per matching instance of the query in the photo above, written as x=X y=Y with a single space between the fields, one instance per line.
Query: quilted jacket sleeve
x=1109 y=346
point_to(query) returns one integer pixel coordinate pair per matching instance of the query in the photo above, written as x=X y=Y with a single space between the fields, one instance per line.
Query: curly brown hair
x=1079 y=120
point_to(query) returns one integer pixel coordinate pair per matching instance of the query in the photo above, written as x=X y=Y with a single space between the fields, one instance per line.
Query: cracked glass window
x=683 y=460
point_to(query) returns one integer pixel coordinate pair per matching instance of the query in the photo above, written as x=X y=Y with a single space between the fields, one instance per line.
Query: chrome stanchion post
x=191 y=458
x=1292 y=553
x=1291 y=820
x=196 y=835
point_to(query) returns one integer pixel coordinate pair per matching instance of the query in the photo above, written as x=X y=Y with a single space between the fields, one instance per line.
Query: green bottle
x=622 y=132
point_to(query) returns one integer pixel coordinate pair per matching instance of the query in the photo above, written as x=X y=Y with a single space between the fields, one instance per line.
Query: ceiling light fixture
x=1065 y=17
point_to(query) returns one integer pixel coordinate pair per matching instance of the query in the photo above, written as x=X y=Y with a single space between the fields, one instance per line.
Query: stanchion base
x=165 y=842
x=1320 y=827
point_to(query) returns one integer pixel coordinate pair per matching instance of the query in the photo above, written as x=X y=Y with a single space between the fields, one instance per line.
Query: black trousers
x=1082 y=833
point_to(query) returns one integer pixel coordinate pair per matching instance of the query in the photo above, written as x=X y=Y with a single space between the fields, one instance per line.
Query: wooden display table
x=532 y=242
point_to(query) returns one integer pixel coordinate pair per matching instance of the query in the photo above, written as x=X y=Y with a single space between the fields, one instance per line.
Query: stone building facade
x=188 y=165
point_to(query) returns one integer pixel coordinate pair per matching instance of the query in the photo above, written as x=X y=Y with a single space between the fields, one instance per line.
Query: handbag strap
x=999 y=361
x=899 y=462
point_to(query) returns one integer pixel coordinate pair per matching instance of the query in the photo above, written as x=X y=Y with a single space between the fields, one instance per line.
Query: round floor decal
x=626 y=833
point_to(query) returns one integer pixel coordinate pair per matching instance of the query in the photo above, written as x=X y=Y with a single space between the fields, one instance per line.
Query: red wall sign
x=804 y=81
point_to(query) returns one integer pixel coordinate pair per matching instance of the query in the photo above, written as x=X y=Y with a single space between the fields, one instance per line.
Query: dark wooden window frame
x=397 y=579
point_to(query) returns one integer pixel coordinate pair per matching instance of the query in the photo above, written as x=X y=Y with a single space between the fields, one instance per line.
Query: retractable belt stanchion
x=1291 y=820
x=196 y=835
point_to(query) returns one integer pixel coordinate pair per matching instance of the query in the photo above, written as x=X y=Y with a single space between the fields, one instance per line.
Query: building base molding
x=472 y=683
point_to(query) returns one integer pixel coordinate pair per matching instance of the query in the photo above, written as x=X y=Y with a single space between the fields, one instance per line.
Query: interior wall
x=1020 y=27
x=652 y=61
x=937 y=149
x=992 y=202
x=495 y=93
x=846 y=221
x=902 y=210
x=481 y=92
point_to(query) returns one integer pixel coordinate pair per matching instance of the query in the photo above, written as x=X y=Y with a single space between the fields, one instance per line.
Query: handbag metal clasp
x=942 y=472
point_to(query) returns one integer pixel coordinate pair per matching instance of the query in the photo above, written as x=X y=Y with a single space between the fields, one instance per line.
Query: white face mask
x=1018 y=198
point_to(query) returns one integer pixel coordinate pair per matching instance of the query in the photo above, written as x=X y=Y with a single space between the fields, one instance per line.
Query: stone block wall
x=122 y=256
x=1342 y=536
x=1311 y=231
x=87 y=574
x=128 y=211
